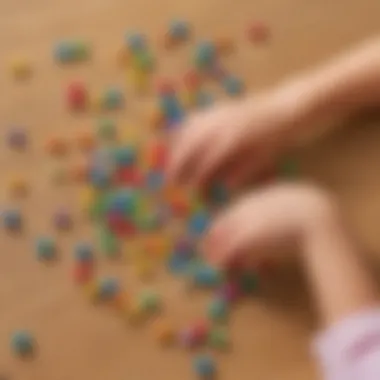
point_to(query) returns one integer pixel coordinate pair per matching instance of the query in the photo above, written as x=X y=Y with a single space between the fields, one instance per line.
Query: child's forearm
x=341 y=283
x=330 y=93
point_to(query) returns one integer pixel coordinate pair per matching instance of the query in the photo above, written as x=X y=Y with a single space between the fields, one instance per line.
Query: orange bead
x=86 y=141
x=224 y=45
x=163 y=332
x=79 y=172
x=56 y=146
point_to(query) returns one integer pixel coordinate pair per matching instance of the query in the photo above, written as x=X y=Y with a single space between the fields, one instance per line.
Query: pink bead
x=230 y=291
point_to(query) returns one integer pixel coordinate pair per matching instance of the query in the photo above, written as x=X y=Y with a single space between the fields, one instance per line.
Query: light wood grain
x=78 y=341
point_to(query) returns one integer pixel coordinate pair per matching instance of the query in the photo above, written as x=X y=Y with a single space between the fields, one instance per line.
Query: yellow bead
x=139 y=80
x=163 y=332
x=20 y=68
x=87 y=196
x=18 y=187
x=91 y=290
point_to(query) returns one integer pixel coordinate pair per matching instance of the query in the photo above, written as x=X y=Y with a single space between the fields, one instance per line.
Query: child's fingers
x=266 y=218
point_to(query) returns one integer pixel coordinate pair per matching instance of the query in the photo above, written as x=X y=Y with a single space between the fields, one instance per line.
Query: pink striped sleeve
x=350 y=350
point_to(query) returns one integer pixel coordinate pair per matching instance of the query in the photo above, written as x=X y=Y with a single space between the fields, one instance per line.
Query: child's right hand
x=238 y=140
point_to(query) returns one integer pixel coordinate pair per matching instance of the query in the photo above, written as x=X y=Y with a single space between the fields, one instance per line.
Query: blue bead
x=206 y=276
x=179 y=29
x=154 y=180
x=125 y=156
x=171 y=107
x=83 y=252
x=45 y=248
x=199 y=222
x=205 y=54
x=123 y=200
x=233 y=85
x=113 y=98
x=135 y=41
x=12 y=219
x=99 y=177
x=218 y=309
x=108 y=287
x=204 y=366
x=22 y=343
x=64 y=52
x=178 y=264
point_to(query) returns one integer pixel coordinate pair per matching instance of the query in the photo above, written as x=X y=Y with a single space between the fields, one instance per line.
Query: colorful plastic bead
x=70 y=51
x=143 y=61
x=135 y=41
x=99 y=177
x=109 y=287
x=218 y=309
x=17 y=138
x=150 y=302
x=56 y=146
x=62 y=219
x=230 y=291
x=187 y=338
x=205 y=54
x=199 y=222
x=106 y=129
x=22 y=343
x=204 y=366
x=179 y=30
x=113 y=98
x=125 y=155
x=154 y=180
x=83 y=252
x=257 y=32
x=218 y=339
x=76 y=95
x=205 y=276
x=18 y=186
x=192 y=80
x=109 y=243
x=21 y=68
x=46 y=248
x=83 y=273
x=233 y=85
x=12 y=219
x=163 y=332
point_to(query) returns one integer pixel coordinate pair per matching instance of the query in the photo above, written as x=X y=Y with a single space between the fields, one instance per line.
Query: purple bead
x=17 y=138
x=62 y=220
x=187 y=338
x=230 y=291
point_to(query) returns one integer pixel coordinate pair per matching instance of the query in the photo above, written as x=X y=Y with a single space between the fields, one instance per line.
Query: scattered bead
x=21 y=68
x=113 y=98
x=199 y=222
x=62 y=220
x=204 y=366
x=46 y=248
x=77 y=96
x=233 y=86
x=17 y=138
x=83 y=272
x=179 y=30
x=257 y=32
x=106 y=129
x=12 y=220
x=18 y=187
x=163 y=332
x=56 y=147
x=135 y=41
x=83 y=252
x=71 y=51
x=218 y=309
x=150 y=302
x=206 y=276
x=218 y=339
x=205 y=54
x=109 y=287
x=22 y=343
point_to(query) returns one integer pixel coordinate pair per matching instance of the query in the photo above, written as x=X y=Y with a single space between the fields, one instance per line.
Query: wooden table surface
x=77 y=341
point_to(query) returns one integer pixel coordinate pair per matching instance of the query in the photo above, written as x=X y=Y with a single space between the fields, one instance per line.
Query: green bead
x=98 y=207
x=218 y=339
x=109 y=243
x=248 y=282
x=145 y=61
x=82 y=50
x=106 y=129
x=289 y=168
x=149 y=302
x=218 y=310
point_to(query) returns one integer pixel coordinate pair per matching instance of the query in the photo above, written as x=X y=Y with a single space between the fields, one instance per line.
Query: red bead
x=129 y=176
x=119 y=225
x=258 y=32
x=200 y=331
x=157 y=155
x=165 y=88
x=76 y=96
x=192 y=80
x=83 y=272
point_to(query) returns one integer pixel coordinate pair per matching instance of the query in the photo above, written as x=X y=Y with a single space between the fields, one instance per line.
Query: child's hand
x=275 y=216
x=234 y=142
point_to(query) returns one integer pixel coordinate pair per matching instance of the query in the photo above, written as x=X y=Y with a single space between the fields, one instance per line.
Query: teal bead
x=136 y=42
x=205 y=54
x=205 y=276
x=218 y=309
x=233 y=85
x=124 y=156
x=179 y=30
x=113 y=98
x=204 y=366
x=45 y=248
x=109 y=287
x=22 y=343
x=83 y=252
